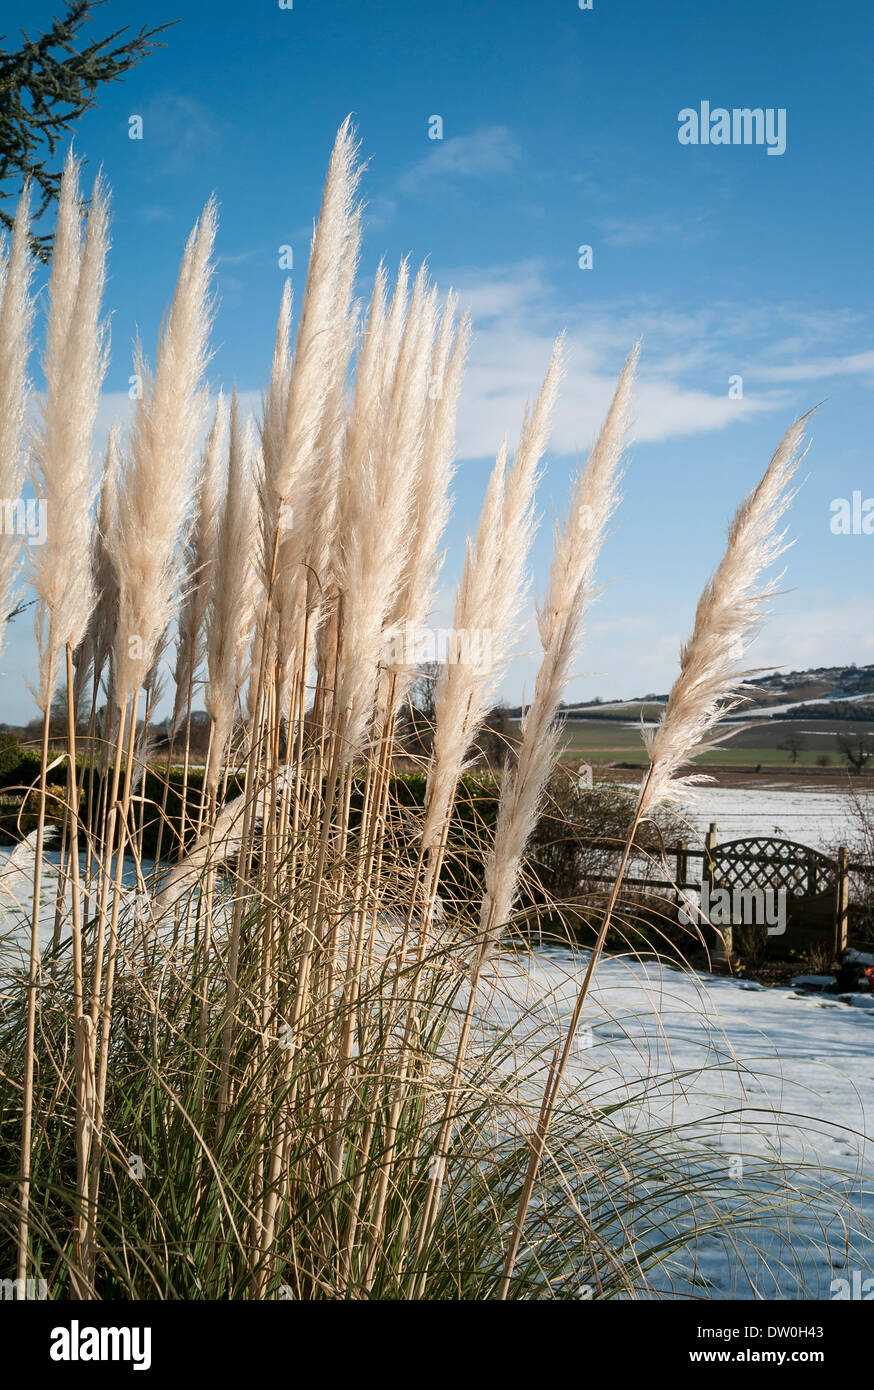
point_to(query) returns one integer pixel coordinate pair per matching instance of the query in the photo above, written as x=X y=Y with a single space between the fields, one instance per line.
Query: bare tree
x=856 y=748
x=416 y=719
x=793 y=744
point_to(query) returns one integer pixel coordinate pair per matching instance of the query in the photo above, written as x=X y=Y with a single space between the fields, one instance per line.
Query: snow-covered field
x=820 y=819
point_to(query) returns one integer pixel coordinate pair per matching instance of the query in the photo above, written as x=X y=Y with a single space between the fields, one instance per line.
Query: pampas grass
x=487 y=605
x=61 y=466
x=728 y=615
x=231 y=604
x=16 y=313
x=594 y=499
x=156 y=488
x=201 y=565
x=375 y=503
x=299 y=430
x=96 y=646
x=431 y=500
x=283 y=1023
x=75 y=363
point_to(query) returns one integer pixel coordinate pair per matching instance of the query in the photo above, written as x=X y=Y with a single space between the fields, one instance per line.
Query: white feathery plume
x=409 y=412
x=375 y=508
x=155 y=493
x=16 y=314
x=367 y=389
x=308 y=569
x=370 y=354
x=487 y=605
x=394 y=326
x=411 y=365
x=431 y=501
x=409 y=398
x=229 y=618
x=594 y=498
x=201 y=560
x=293 y=446
x=95 y=648
x=215 y=846
x=727 y=617
x=271 y=428
x=432 y=491
x=329 y=445
x=75 y=363
x=65 y=263
x=291 y=476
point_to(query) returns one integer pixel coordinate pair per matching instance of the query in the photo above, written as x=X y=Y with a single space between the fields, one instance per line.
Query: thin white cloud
x=181 y=128
x=379 y=212
x=853 y=364
x=634 y=231
x=627 y=655
x=816 y=631
x=516 y=318
x=489 y=150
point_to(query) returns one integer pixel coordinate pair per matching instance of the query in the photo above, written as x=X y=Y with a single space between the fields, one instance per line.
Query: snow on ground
x=781 y=1080
x=820 y=819
x=770 y=710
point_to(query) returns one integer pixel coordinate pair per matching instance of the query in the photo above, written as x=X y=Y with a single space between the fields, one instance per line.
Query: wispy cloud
x=818 y=629
x=181 y=129
x=489 y=150
x=379 y=212
x=516 y=316
x=853 y=364
x=643 y=231
x=156 y=212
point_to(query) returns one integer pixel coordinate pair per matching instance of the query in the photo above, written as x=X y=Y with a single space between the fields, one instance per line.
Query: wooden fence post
x=842 y=900
x=682 y=865
x=709 y=846
x=724 y=942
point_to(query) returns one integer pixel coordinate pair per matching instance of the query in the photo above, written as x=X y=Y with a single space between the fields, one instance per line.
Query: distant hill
x=840 y=693
x=828 y=683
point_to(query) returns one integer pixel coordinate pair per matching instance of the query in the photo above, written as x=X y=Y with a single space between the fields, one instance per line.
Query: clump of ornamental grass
x=296 y=1056
x=631 y=1192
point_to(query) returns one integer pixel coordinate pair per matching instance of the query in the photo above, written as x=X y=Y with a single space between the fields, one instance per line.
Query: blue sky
x=560 y=129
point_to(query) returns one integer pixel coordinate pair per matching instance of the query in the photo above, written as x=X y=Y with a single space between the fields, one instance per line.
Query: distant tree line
x=857 y=710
